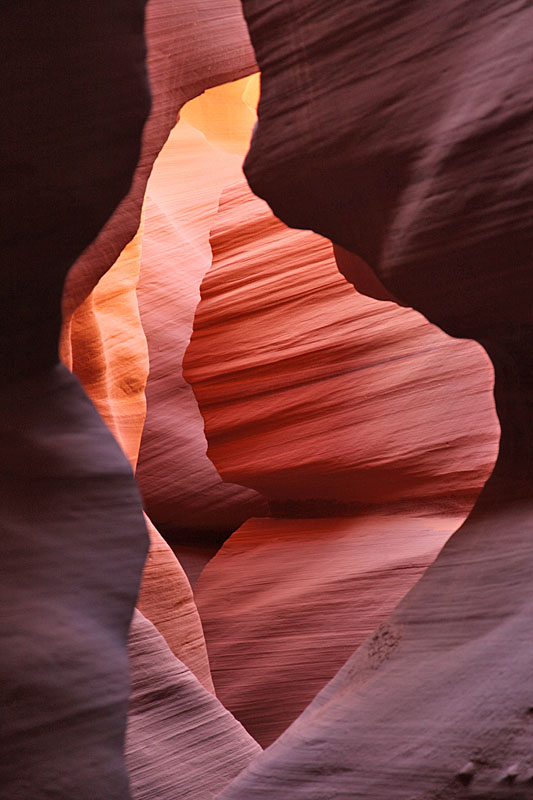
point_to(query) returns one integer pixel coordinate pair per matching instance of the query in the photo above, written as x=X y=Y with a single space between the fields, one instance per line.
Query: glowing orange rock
x=181 y=488
x=104 y=344
x=188 y=51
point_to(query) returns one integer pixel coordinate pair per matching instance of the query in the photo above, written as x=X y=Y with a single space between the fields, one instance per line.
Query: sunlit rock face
x=328 y=402
x=182 y=490
x=188 y=50
x=323 y=399
x=108 y=340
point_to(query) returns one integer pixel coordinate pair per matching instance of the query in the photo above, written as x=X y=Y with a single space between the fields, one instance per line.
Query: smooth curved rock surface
x=437 y=701
x=320 y=398
x=285 y=602
x=75 y=101
x=181 y=741
x=75 y=538
x=417 y=159
x=326 y=401
x=104 y=344
x=166 y=600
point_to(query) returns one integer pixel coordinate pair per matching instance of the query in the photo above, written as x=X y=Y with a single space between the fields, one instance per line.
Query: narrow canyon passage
x=266 y=416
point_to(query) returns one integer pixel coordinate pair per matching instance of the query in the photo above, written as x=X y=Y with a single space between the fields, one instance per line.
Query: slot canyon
x=267 y=402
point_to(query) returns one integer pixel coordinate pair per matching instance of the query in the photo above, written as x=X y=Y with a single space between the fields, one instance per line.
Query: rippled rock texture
x=322 y=399
x=329 y=403
x=410 y=147
x=402 y=134
x=74 y=538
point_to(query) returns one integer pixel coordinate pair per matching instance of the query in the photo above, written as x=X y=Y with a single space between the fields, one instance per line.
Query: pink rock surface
x=104 y=344
x=419 y=160
x=326 y=401
x=166 y=600
x=75 y=102
x=73 y=541
x=181 y=742
x=285 y=602
x=320 y=397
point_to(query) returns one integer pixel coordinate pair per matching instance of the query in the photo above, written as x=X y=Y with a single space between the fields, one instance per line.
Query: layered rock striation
x=419 y=161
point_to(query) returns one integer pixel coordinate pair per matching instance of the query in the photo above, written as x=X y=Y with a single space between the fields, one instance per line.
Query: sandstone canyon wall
x=419 y=161
x=75 y=103
x=74 y=536
x=337 y=408
x=182 y=490
x=349 y=435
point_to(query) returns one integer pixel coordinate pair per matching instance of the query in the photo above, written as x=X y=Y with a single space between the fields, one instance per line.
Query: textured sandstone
x=181 y=488
x=72 y=547
x=323 y=399
x=74 y=103
x=419 y=161
x=181 y=741
x=409 y=145
x=190 y=48
x=286 y=601
x=104 y=344
x=166 y=599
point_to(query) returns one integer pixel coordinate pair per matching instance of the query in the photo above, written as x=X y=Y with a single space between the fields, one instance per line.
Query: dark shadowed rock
x=72 y=547
x=75 y=98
